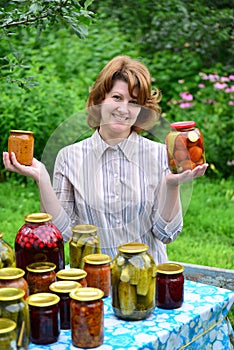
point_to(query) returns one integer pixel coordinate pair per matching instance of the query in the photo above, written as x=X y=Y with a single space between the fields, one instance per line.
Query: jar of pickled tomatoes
x=40 y=276
x=185 y=146
x=21 y=142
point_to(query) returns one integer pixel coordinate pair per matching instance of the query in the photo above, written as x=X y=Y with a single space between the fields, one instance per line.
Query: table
x=200 y=323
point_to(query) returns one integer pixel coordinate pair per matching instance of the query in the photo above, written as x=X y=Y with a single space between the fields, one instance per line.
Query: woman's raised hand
x=186 y=176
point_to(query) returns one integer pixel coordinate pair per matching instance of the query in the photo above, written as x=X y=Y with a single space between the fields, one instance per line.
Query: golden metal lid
x=1 y=234
x=71 y=274
x=10 y=294
x=38 y=217
x=22 y=131
x=6 y=325
x=11 y=273
x=133 y=248
x=170 y=268
x=43 y=299
x=97 y=259
x=64 y=286
x=39 y=267
x=86 y=294
x=84 y=228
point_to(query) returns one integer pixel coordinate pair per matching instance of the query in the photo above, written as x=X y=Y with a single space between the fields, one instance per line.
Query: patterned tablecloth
x=199 y=324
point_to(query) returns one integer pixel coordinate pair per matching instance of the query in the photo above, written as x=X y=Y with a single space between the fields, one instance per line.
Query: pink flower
x=201 y=86
x=224 y=79
x=186 y=96
x=213 y=77
x=231 y=103
x=204 y=76
x=231 y=76
x=230 y=89
x=186 y=104
x=210 y=101
x=220 y=86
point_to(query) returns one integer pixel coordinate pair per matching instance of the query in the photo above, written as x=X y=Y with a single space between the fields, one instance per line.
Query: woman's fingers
x=186 y=176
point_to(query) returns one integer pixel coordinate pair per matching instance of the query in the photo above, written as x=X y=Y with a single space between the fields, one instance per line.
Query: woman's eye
x=116 y=97
x=134 y=102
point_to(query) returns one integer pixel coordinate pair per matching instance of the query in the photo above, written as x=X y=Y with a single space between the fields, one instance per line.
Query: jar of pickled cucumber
x=84 y=241
x=133 y=282
x=40 y=276
x=72 y=274
x=21 y=142
x=7 y=334
x=185 y=146
x=7 y=254
x=13 y=277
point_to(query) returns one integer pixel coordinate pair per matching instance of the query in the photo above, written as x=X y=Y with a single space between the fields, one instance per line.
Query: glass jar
x=97 y=267
x=21 y=142
x=62 y=289
x=39 y=240
x=185 y=147
x=84 y=241
x=72 y=274
x=169 y=286
x=44 y=318
x=14 y=307
x=40 y=276
x=7 y=254
x=133 y=282
x=87 y=317
x=13 y=277
x=7 y=334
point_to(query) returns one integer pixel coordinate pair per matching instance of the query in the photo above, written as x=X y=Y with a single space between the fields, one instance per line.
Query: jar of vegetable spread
x=13 y=277
x=21 y=142
x=7 y=254
x=63 y=289
x=72 y=274
x=39 y=240
x=7 y=334
x=87 y=317
x=185 y=146
x=169 y=286
x=84 y=241
x=97 y=267
x=40 y=276
x=133 y=282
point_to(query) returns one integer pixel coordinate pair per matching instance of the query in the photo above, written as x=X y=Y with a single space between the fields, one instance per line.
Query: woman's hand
x=186 y=176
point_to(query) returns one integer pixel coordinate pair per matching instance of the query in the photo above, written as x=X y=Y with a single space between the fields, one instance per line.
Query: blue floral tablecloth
x=200 y=324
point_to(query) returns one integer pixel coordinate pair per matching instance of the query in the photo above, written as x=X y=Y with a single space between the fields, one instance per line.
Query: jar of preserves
x=44 y=318
x=21 y=142
x=84 y=241
x=14 y=307
x=13 y=277
x=72 y=274
x=7 y=334
x=97 y=267
x=133 y=282
x=63 y=289
x=7 y=254
x=87 y=317
x=39 y=240
x=169 y=286
x=185 y=146
x=40 y=276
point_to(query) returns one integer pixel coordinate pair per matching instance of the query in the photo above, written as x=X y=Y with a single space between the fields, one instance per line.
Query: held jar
x=13 y=277
x=21 y=142
x=39 y=240
x=7 y=254
x=185 y=146
x=7 y=334
x=169 y=286
x=97 y=267
x=133 y=282
x=87 y=317
x=44 y=318
x=72 y=274
x=84 y=241
x=63 y=289
x=40 y=276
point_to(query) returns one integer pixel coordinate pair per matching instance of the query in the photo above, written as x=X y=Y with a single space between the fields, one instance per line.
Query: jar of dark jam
x=97 y=267
x=133 y=274
x=7 y=334
x=169 y=286
x=185 y=146
x=84 y=241
x=14 y=307
x=44 y=318
x=40 y=276
x=13 y=277
x=87 y=317
x=7 y=254
x=62 y=289
x=39 y=240
x=72 y=274
x=21 y=142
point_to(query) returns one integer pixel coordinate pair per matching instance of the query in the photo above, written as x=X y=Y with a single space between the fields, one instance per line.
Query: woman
x=115 y=179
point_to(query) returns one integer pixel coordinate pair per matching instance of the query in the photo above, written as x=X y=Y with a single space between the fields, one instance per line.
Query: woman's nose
x=123 y=106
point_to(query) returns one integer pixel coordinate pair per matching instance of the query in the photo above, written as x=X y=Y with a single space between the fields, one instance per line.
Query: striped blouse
x=117 y=189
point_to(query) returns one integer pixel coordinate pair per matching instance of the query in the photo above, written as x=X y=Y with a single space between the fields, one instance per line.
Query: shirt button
x=117 y=196
x=115 y=175
x=117 y=221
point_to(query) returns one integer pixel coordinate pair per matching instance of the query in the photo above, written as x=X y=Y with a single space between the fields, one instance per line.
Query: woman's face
x=119 y=111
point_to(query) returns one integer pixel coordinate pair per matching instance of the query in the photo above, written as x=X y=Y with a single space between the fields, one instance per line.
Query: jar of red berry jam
x=63 y=289
x=40 y=276
x=44 y=318
x=169 y=286
x=98 y=271
x=72 y=274
x=13 y=277
x=21 y=142
x=7 y=254
x=185 y=146
x=7 y=334
x=87 y=317
x=39 y=240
